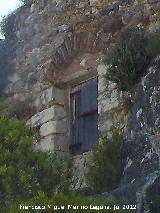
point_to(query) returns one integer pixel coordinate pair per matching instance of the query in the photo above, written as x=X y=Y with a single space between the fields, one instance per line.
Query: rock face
x=143 y=141
x=80 y=164
x=54 y=46
x=142 y=147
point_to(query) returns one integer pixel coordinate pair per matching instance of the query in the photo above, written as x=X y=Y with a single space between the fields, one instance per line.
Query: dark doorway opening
x=84 y=117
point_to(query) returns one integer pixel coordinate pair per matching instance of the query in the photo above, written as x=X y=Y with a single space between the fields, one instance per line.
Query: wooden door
x=84 y=117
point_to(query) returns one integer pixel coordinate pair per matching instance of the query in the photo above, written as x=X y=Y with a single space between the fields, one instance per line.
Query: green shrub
x=23 y=171
x=105 y=172
x=64 y=200
x=3 y=104
x=128 y=58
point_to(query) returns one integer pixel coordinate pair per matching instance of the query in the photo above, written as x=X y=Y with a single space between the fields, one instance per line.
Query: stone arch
x=73 y=44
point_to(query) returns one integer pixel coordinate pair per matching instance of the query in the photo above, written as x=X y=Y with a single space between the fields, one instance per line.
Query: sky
x=7 y=6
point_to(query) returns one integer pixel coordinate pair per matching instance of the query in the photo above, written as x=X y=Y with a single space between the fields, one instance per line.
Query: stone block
x=49 y=95
x=106 y=125
x=53 y=127
x=102 y=82
x=93 y=2
x=61 y=143
x=109 y=100
x=52 y=113
x=53 y=143
x=45 y=144
x=109 y=97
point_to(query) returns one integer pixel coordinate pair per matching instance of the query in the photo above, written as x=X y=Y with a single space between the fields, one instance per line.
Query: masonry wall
x=56 y=45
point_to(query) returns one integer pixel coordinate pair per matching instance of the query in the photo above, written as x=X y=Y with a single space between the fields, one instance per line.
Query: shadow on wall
x=3 y=67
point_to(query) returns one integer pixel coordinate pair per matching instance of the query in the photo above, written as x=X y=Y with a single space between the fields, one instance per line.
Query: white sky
x=7 y=6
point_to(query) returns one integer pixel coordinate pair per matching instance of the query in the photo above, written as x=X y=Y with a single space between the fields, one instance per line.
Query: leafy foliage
x=67 y=201
x=127 y=60
x=34 y=178
x=23 y=171
x=105 y=172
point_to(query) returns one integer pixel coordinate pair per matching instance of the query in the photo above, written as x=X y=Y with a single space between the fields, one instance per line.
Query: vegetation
x=24 y=172
x=127 y=60
x=107 y=163
x=66 y=201
x=31 y=179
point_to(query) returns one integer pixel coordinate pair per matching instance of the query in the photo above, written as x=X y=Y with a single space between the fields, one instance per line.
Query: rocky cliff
x=56 y=44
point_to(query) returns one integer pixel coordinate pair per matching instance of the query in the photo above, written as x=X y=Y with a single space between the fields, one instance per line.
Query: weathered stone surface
x=142 y=149
x=80 y=164
x=14 y=77
x=134 y=193
x=53 y=127
x=53 y=113
x=141 y=159
x=51 y=94
x=46 y=144
x=109 y=101
x=109 y=97
x=143 y=128
x=48 y=37
x=105 y=122
x=53 y=143
x=93 y=2
x=102 y=82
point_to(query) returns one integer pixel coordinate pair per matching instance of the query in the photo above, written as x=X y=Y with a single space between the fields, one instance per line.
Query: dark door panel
x=84 y=118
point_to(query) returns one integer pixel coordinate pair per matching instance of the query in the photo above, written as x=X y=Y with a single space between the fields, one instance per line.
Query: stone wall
x=111 y=108
x=51 y=120
x=55 y=45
